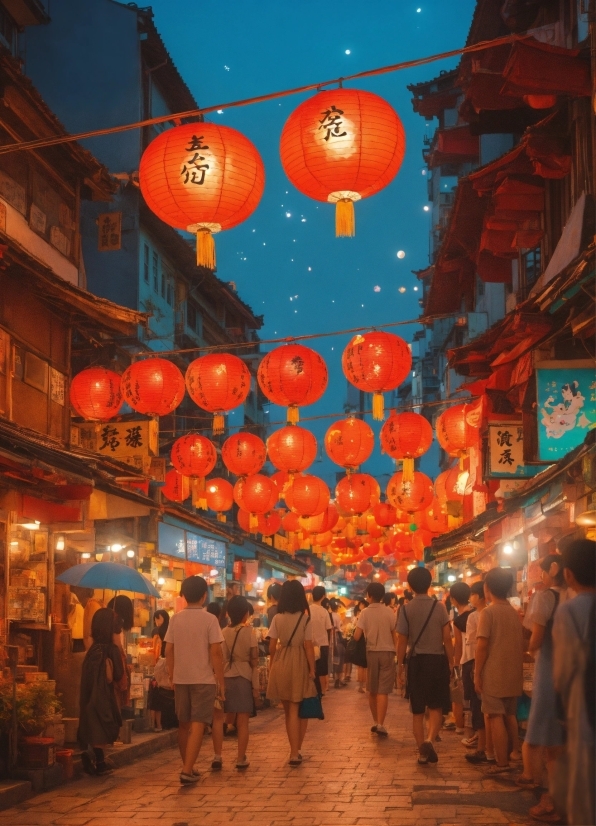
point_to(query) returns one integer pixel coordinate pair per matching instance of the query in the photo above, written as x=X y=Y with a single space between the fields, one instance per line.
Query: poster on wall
x=566 y=398
x=506 y=451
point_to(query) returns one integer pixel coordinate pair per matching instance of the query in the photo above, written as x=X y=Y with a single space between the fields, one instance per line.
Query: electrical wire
x=40 y=143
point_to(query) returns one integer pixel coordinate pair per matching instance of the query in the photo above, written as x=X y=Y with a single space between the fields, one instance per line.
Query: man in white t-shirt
x=321 y=624
x=195 y=665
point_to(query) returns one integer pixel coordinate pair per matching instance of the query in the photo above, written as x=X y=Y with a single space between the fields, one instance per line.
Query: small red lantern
x=349 y=442
x=265 y=524
x=376 y=363
x=219 y=494
x=218 y=382
x=357 y=492
x=292 y=376
x=243 y=454
x=153 y=386
x=540 y=101
x=194 y=456
x=321 y=523
x=457 y=428
x=292 y=449
x=307 y=495
x=176 y=487
x=421 y=539
x=448 y=487
x=95 y=394
x=203 y=178
x=255 y=494
x=434 y=519
x=342 y=145
x=322 y=540
x=401 y=544
x=291 y=522
x=384 y=514
x=410 y=496
x=405 y=437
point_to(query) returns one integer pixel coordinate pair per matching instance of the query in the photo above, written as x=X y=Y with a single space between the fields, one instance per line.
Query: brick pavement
x=349 y=777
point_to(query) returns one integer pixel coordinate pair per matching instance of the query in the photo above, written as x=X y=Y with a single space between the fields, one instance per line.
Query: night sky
x=285 y=259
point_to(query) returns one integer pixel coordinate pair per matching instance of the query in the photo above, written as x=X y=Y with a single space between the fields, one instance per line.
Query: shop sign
x=171 y=541
x=206 y=551
x=566 y=398
x=506 y=451
x=121 y=440
x=110 y=231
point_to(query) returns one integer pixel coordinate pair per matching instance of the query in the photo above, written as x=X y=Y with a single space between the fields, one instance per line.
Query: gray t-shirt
x=413 y=616
x=378 y=622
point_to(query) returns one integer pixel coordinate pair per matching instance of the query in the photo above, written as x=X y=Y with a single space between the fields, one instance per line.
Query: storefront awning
x=539 y=68
x=454 y=145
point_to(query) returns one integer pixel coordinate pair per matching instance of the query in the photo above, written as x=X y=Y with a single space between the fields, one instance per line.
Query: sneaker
x=374 y=728
x=428 y=750
x=449 y=727
x=216 y=763
x=242 y=764
x=470 y=742
x=103 y=768
x=87 y=763
x=381 y=731
x=188 y=779
x=477 y=757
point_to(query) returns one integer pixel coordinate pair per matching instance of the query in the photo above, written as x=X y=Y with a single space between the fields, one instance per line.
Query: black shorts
x=322 y=664
x=467 y=675
x=428 y=682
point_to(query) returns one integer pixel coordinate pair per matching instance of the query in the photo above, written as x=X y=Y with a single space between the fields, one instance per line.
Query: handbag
x=161 y=675
x=356 y=652
x=410 y=653
x=311 y=708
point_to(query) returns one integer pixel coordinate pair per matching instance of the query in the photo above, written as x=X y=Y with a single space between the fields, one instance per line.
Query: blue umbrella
x=109 y=576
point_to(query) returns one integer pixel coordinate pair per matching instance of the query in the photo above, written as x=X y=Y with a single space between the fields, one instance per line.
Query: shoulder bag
x=410 y=653
x=356 y=651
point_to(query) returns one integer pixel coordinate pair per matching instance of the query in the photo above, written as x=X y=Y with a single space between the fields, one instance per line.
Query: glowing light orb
x=401 y=254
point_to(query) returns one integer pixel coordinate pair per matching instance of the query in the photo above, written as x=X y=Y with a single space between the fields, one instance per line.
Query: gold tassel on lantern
x=221 y=517
x=345 y=221
x=462 y=458
x=293 y=416
x=378 y=407
x=197 y=489
x=205 y=248
x=350 y=531
x=218 y=424
x=408 y=469
x=253 y=523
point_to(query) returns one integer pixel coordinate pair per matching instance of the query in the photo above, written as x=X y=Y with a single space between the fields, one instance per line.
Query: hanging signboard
x=506 y=451
x=120 y=440
x=566 y=400
x=205 y=550
x=171 y=541
x=110 y=231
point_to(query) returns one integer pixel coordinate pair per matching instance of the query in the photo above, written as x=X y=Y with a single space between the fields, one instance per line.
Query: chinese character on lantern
x=193 y=170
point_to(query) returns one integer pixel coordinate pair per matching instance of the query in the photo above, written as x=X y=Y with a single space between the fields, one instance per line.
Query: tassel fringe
x=219 y=423
x=253 y=522
x=345 y=221
x=221 y=517
x=293 y=416
x=408 y=469
x=205 y=249
x=378 y=407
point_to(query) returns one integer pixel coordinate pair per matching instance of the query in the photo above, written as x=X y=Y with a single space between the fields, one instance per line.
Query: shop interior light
x=508 y=548
x=377 y=575
x=261 y=603
x=115 y=548
x=451 y=578
x=31 y=526
x=130 y=554
x=587 y=519
x=460 y=576
x=60 y=543
x=161 y=581
x=260 y=580
x=469 y=573
x=99 y=557
x=213 y=572
x=86 y=556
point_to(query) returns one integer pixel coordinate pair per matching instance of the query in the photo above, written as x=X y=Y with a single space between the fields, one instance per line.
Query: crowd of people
x=459 y=663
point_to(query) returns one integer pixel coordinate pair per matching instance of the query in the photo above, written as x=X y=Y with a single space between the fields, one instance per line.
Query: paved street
x=349 y=776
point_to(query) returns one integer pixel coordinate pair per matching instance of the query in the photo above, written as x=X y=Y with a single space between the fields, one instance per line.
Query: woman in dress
x=100 y=719
x=161 y=620
x=241 y=658
x=292 y=652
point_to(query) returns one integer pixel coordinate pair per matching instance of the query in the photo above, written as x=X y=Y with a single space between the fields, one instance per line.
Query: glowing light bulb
x=130 y=554
x=451 y=578
x=508 y=549
x=426 y=208
x=161 y=581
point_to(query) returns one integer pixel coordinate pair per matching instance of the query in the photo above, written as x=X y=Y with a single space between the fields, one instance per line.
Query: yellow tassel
x=378 y=407
x=408 y=469
x=205 y=249
x=350 y=531
x=293 y=414
x=253 y=522
x=219 y=423
x=203 y=504
x=197 y=487
x=221 y=517
x=462 y=458
x=345 y=222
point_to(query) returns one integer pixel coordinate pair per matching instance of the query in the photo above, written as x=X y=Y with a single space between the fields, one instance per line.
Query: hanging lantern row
x=339 y=146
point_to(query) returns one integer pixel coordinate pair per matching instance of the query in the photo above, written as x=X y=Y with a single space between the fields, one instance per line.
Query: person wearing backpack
x=423 y=631
x=573 y=671
x=241 y=658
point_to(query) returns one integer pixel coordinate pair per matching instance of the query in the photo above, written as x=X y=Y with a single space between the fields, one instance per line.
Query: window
x=155 y=268
x=146 y=263
x=170 y=290
x=531 y=268
x=163 y=283
x=8 y=31
x=193 y=317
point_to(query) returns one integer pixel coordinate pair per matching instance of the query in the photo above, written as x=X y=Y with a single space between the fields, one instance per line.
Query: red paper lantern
x=433 y=518
x=193 y=455
x=153 y=386
x=401 y=544
x=448 y=487
x=357 y=492
x=217 y=383
x=265 y=524
x=255 y=494
x=340 y=146
x=349 y=442
x=365 y=568
x=290 y=522
x=405 y=437
x=540 y=101
x=307 y=495
x=322 y=540
x=376 y=363
x=292 y=449
x=421 y=539
x=457 y=428
x=325 y=521
x=384 y=514
x=292 y=376
x=219 y=494
x=203 y=178
x=410 y=496
x=176 y=487
x=95 y=394
x=243 y=454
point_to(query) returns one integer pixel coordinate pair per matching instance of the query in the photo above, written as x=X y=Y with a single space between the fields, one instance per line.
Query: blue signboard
x=171 y=541
x=205 y=550
x=566 y=395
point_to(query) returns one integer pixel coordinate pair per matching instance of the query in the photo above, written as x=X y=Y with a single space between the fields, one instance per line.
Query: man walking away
x=195 y=662
x=321 y=625
x=498 y=676
x=423 y=630
x=377 y=623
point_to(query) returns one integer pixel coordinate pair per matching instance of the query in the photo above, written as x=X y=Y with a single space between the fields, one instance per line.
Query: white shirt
x=321 y=623
x=191 y=632
x=378 y=623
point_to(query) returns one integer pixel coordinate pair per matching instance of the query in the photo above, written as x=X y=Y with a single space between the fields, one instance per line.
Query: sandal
x=545 y=811
x=496 y=769
x=295 y=763
x=526 y=782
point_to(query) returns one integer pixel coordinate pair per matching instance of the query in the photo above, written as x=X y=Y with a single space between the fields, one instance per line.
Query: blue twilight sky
x=285 y=259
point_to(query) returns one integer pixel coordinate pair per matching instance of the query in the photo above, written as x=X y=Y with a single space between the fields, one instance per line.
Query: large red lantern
x=340 y=146
x=349 y=442
x=405 y=437
x=176 y=487
x=153 y=386
x=95 y=394
x=357 y=492
x=307 y=495
x=321 y=523
x=203 y=178
x=457 y=428
x=217 y=383
x=255 y=494
x=219 y=495
x=243 y=454
x=410 y=496
x=375 y=363
x=292 y=449
x=292 y=376
x=384 y=514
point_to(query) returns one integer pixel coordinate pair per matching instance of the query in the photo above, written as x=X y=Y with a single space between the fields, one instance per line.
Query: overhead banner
x=566 y=397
